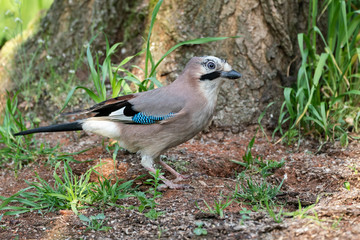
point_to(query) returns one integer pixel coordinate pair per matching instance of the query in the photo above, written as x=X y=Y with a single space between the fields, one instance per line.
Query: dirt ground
x=308 y=175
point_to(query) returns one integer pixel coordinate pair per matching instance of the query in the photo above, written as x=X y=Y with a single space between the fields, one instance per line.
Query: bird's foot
x=172 y=185
x=178 y=176
x=168 y=183
x=181 y=177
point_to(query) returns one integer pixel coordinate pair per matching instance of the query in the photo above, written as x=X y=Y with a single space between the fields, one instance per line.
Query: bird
x=151 y=122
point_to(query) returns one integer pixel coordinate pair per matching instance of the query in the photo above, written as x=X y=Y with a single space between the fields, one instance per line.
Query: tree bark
x=263 y=53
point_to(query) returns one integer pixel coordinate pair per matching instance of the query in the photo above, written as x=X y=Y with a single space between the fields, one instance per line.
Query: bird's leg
x=167 y=182
x=178 y=176
x=148 y=162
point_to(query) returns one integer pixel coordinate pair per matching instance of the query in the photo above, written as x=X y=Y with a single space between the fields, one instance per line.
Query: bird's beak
x=231 y=74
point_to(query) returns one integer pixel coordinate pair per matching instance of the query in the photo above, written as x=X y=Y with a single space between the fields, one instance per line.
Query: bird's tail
x=73 y=126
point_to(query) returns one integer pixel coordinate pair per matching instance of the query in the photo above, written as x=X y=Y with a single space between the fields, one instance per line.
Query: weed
x=160 y=231
x=114 y=148
x=257 y=193
x=335 y=224
x=244 y=215
x=257 y=164
x=278 y=217
x=248 y=158
x=354 y=168
x=199 y=230
x=95 y=222
x=310 y=213
x=2 y=226
x=302 y=213
x=347 y=185
x=107 y=193
x=150 y=202
x=219 y=206
x=155 y=183
x=69 y=192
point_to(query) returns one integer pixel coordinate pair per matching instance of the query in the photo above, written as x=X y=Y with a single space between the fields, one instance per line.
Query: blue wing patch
x=142 y=118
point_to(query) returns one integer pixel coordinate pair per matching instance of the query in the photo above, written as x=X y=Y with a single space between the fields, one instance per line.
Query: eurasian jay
x=153 y=121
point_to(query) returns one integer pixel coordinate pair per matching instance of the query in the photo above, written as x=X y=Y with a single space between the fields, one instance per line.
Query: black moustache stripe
x=210 y=76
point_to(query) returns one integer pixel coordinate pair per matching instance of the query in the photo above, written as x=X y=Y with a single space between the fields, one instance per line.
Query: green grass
x=325 y=102
x=68 y=192
x=253 y=187
x=106 y=193
x=257 y=192
x=257 y=164
x=16 y=152
x=307 y=212
x=76 y=193
x=218 y=207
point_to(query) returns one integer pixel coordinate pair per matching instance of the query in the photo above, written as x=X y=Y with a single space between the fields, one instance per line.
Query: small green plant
x=257 y=164
x=113 y=148
x=160 y=232
x=335 y=224
x=199 y=230
x=278 y=217
x=257 y=193
x=248 y=157
x=150 y=202
x=3 y=227
x=302 y=213
x=107 y=193
x=244 y=215
x=354 y=168
x=94 y=222
x=155 y=183
x=100 y=72
x=347 y=185
x=219 y=206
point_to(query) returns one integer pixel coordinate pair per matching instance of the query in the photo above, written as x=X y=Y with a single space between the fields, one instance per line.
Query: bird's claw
x=181 y=177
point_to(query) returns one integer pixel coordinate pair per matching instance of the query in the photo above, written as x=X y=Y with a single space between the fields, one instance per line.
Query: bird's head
x=213 y=68
x=209 y=72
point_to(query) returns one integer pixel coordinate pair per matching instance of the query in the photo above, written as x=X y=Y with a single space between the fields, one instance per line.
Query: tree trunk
x=263 y=53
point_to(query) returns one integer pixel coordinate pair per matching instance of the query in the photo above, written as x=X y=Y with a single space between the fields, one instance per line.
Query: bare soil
x=309 y=175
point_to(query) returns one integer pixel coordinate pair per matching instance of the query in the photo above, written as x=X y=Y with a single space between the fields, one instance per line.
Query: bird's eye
x=211 y=65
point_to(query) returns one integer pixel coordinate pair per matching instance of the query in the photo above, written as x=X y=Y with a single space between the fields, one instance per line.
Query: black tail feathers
x=73 y=126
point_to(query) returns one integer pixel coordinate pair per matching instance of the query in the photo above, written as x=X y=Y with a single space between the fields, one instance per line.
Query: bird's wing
x=142 y=108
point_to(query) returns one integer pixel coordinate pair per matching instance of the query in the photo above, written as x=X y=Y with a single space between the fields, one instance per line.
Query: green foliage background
x=15 y=15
